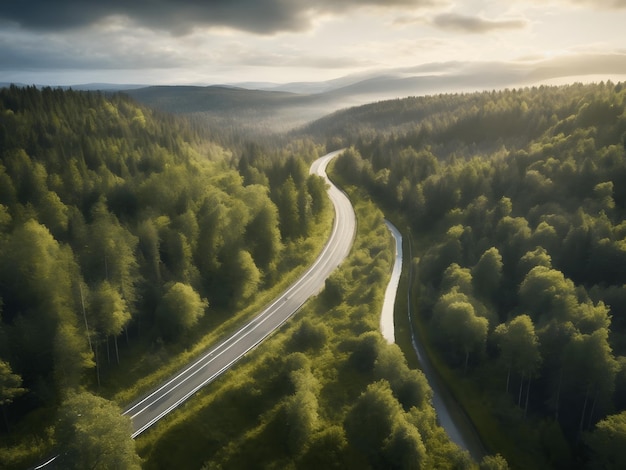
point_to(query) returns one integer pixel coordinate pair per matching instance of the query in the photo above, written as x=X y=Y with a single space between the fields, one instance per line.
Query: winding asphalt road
x=175 y=391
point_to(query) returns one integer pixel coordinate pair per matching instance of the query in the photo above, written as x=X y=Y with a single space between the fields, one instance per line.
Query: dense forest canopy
x=517 y=199
x=327 y=391
x=123 y=230
x=118 y=222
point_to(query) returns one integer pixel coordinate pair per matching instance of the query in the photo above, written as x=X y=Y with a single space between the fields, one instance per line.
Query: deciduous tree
x=487 y=273
x=461 y=328
x=519 y=348
x=10 y=387
x=110 y=311
x=180 y=309
x=92 y=433
x=608 y=443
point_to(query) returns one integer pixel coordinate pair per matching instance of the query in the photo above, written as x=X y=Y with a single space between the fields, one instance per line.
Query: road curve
x=386 y=316
x=176 y=390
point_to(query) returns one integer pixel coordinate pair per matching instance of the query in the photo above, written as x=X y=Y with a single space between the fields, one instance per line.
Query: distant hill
x=195 y=99
x=275 y=109
x=104 y=86
x=262 y=107
x=81 y=86
x=248 y=110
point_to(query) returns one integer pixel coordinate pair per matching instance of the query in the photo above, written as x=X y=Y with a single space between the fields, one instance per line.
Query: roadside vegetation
x=325 y=391
x=516 y=203
x=128 y=241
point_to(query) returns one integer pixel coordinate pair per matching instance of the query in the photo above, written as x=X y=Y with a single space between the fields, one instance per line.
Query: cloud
x=579 y=65
x=523 y=72
x=112 y=49
x=600 y=4
x=448 y=67
x=182 y=16
x=475 y=24
x=117 y=46
x=247 y=55
x=308 y=61
x=450 y=76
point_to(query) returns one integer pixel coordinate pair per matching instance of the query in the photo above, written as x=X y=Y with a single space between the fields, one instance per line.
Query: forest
x=325 y=392
x=125 y=236
x=515 y=201
x=128 y=236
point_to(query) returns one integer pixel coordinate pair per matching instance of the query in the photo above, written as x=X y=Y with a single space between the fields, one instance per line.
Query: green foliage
x=518 y=199
x=371 y=420
x=335 y=288
x=519 y=345
x=409 y=386
x=119 y=221
x=327 y=449
x=10 y=384
x=494 y=462
x=180 y=309
x=377 y=426
x=366 y=350
x=301 y=410
x=310 y=335
x=608 y=442
x=288 y=208
x=306 y=409
x=487 y=274
x=71 y=355
x=244 y=275
x=464 y=329
x=264 y=236
x=405 y=449
x=590 y=366
x=110 y=309
x=92 y=433
x=457 y=277
x=547 y=294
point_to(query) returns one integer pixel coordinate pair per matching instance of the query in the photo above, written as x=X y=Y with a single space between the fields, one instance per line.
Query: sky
x=70 y=42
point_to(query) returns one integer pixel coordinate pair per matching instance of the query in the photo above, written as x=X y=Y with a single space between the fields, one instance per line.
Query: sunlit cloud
x=475 y=24
x=230 y=41
x=608 y=4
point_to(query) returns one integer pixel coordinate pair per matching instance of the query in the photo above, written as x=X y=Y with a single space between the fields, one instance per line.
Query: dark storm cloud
x=474 y=24
x=179 y=16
